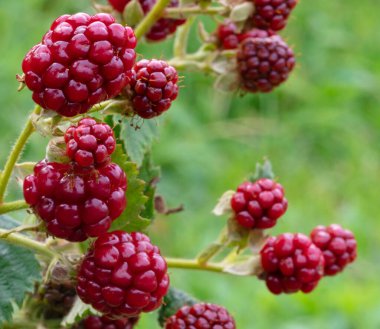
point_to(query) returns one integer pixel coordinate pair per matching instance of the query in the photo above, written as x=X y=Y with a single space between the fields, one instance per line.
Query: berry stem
x=15 y=153
x=13 y=206
x=154 y=15
x=23 y=241
x=214 y=248
x=183 y=12
x=189 y=65
x=182 y=38
x=192 y=264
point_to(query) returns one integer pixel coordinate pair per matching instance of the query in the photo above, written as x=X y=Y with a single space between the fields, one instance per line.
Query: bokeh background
x=321 y=131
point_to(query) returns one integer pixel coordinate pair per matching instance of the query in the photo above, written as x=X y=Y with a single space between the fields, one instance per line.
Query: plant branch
x=153 y=16
x=192 y=264
x=23 y=241
x=15 y=153
x=13 y=206
x=183 y=12
x=182 y=38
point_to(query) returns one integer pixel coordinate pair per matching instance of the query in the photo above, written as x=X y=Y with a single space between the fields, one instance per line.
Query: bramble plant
x=81 y=258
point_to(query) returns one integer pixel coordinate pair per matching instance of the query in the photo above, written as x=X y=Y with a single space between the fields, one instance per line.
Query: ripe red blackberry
x=229 y=37
x=162 y=28
x=338 y=246
x=102 y=322
x=81 y=61
x=203 y=315
x=291 y=262
x=76 y=203
x=264 y=63
x=123 y=275
x=90 y=143
x=154 y=87
x=259 y=204
x=272 y=14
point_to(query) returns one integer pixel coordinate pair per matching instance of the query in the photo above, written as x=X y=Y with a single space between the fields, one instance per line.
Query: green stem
x=15 y=154
x=13 y=206
x=23 y=241
x=192 y=264
x=183 y=12
x=153 y=16
x=189 y=65
x=182 y=38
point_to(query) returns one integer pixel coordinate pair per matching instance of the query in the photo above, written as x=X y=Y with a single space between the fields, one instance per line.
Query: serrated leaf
x=131 y=219
x=173 y=301
x=224 y=204
x=19 y=270
x=78 y=312
x=139 y=140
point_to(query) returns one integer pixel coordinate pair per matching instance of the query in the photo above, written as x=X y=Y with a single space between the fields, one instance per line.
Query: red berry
x=81 y=61
x=259 y=204
x=264 y=63
x=123 y=275
x=272 y=14
x=154 y=87
x=76 y=203
x=102 y=322
x=291 y=262
x=162 y=28
x=338 y=246
x=203 y=315
x=90 y=143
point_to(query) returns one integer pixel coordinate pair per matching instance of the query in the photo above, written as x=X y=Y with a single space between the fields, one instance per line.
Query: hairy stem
x=183 y=12
x=15 y=153
x=23 y=241
x=153 y=16
x=192 y=264
x=13 y=206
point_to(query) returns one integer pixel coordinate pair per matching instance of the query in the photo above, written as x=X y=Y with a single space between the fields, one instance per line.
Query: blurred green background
x=321 y=130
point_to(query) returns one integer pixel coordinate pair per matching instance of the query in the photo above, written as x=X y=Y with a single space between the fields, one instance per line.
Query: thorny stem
x=192 y=264
x=15 y=153
x=183 y=12
x=154 y=15
x=13 y=206
x=23 y=241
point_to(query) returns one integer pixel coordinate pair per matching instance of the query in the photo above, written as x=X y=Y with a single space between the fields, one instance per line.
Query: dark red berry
x=162 y=28
x=90 y=143
x=154 y=87
x=264 y=63
x=81 y=61
x=338 y=246
x=202 y=315
x=76 y=203
x=259 y=204
x=123 y=275
x=272 y=14
x=291 y=262
x=103 y=322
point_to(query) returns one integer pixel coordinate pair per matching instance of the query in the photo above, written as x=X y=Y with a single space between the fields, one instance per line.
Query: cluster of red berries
x=103 y=322
x=162 y=28
x=290 y=262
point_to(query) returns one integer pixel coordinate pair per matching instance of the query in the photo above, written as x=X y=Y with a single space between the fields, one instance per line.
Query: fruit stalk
x=183 y=12
x=13 y=206
x=192 y=264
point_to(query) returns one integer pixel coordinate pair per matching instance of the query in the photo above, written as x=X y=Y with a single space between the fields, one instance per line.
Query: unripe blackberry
x=90 y=143
x=123 y=275
x=264 y=63
x=81 y=61
x=202 y=315
x=291 y=262
x=76 y=203
x=259 y=204
x=162 y=28
x=338 y=246
x=272 y=14
x=153 y=87
x=229 y=37
x=103 y=322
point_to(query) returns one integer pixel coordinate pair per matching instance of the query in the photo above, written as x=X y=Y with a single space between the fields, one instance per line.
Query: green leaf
x=150 y=174
x=131 y=219
x=173 y=301
x=19 y=270
x=133 y=13
x=138 y=140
